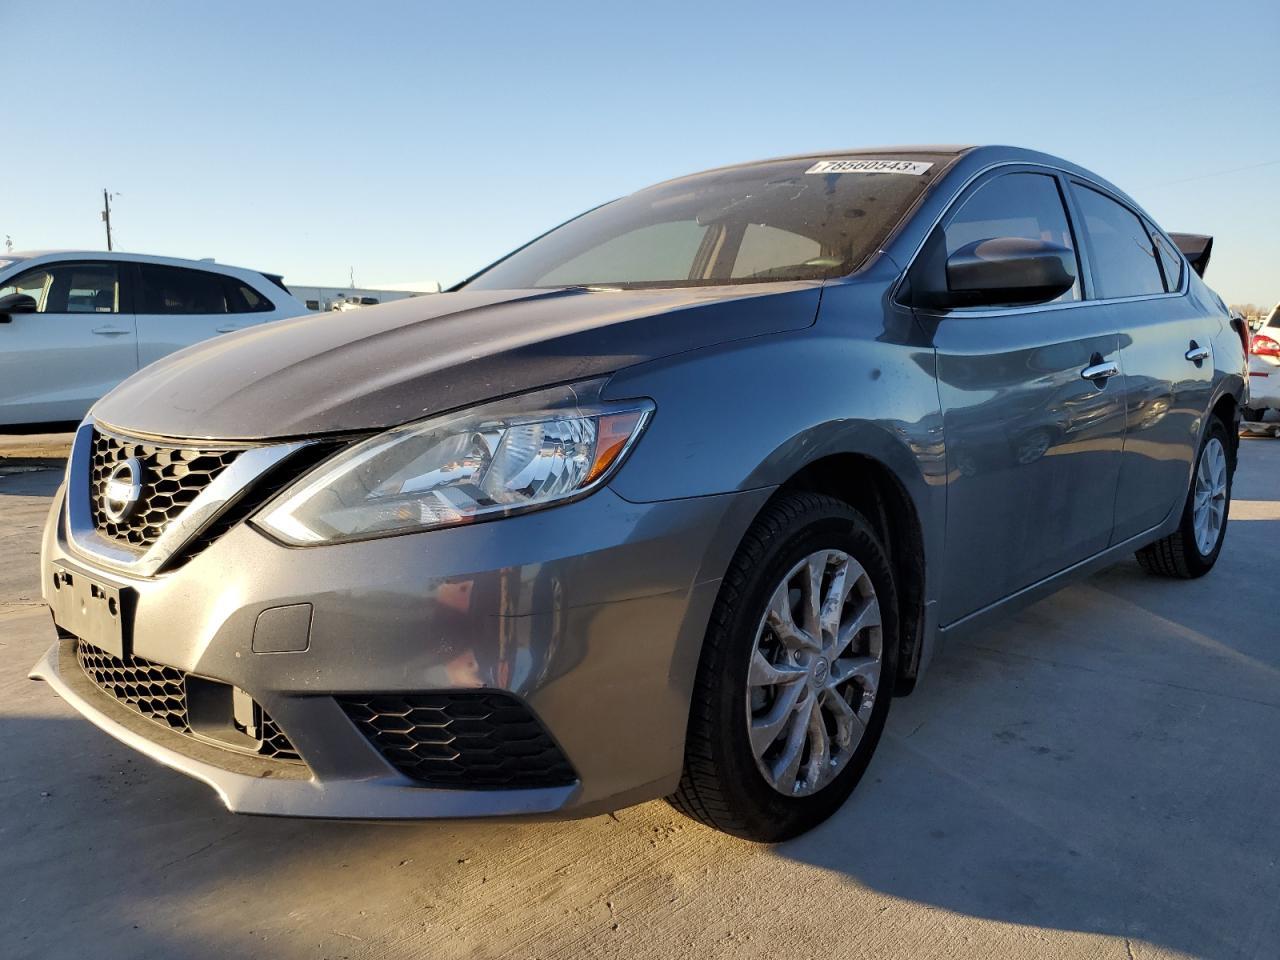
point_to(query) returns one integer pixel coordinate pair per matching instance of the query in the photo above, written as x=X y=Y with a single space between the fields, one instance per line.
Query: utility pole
x=106 y=214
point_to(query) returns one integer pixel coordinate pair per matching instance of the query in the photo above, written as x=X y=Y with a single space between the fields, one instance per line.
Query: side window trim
x=1084 y=252
x=1161 y=237
x=124 y=282
x=1069 y=181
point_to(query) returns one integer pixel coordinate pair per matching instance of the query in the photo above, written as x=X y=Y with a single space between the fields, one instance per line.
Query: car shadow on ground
x=39 y=479
x=1104 y=762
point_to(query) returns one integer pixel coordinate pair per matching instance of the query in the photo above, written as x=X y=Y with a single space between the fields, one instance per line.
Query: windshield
x=1274 y=319
x=782 y=220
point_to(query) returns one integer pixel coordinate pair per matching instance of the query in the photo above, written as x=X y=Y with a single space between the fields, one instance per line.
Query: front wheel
x=1192 y=549
x=796 y=674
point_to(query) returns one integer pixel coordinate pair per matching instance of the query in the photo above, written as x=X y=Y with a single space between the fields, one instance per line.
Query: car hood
x=386 y=365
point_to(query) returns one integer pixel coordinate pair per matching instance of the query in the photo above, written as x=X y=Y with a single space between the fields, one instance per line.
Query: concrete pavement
x=1097 y=777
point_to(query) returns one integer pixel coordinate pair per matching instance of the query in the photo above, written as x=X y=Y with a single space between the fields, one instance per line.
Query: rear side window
x=242 y=298
x=1170 y=260
x=1023 y=205
x=175 y=290
x=1124 y=259
x=70 y=288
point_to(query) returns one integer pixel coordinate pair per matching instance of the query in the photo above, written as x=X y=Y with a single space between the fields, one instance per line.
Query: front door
x=80 y=342
x=1033 y=413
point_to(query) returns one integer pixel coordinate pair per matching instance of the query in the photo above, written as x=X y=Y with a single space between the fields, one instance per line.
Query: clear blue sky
x=420 y=141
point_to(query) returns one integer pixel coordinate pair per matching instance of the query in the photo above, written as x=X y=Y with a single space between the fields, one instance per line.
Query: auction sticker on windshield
x=912 y=167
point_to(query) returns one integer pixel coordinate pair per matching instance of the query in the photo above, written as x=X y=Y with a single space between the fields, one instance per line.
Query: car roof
x=127 y=257
x=941 y=150
x=975 y=156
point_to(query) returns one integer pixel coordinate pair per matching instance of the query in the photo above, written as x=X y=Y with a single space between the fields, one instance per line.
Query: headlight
x=495 y=460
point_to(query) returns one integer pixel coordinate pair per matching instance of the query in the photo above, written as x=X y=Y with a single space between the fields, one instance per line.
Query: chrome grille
x=172 y=477
x=159 y=693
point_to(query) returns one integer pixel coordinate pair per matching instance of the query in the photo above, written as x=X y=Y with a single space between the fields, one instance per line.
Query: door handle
x=1197 y=353
x=227 y=328
x=110 y=331
x=1100 y=371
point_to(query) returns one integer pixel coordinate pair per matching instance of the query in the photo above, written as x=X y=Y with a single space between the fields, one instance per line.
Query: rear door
x=1033 y=431
x=1138 y=279
x=80 y=342
x=179 y=306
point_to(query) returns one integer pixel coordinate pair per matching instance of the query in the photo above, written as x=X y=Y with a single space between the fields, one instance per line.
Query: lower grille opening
x=461 y=740
x=203 y=709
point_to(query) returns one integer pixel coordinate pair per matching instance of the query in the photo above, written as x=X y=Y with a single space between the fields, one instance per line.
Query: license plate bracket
x=95 y=612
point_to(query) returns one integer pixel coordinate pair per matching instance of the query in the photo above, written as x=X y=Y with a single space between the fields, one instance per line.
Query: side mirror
x=1004 y=271
x=16 y=303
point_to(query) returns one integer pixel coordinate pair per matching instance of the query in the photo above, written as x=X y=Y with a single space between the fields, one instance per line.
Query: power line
x=1217 y=173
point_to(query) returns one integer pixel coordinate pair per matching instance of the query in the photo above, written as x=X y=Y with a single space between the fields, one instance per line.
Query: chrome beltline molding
x=224 y=490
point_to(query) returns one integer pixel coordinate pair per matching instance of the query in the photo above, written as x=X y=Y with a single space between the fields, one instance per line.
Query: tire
x=1180 y=554
x=1250 y=415
x=725 y=784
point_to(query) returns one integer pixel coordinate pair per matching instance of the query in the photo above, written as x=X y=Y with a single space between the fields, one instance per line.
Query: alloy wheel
x=814 y=673
x=1209 y=508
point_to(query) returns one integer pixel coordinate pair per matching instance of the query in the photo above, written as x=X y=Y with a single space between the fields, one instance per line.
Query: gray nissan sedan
x=670 y=501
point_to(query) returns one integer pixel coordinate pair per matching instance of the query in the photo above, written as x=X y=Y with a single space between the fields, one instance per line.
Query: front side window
x=33 y=283
x=767 y=221
x=69 y=288
x=1027 y=206
x=1124 y=259
x=176 y=290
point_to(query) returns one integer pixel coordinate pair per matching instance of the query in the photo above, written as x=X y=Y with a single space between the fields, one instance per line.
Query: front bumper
x=591 y=614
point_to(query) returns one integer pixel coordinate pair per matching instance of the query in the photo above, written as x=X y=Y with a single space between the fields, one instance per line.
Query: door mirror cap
x=16 y=303
x=1004 y=271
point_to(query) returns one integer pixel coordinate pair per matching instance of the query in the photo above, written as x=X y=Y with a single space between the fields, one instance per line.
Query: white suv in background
x=73 y=324
x=1264 y=368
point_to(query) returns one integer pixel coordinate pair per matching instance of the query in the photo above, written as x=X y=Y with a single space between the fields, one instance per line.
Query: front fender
x=752 y=414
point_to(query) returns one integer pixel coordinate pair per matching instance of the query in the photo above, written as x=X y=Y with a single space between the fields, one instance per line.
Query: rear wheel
x=1193 y=548
x=1250 y=415
x=796 y=674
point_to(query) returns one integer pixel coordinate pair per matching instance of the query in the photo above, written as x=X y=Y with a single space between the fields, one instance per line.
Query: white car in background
x=73 y=324
x=355 y=303
x=1264 y=369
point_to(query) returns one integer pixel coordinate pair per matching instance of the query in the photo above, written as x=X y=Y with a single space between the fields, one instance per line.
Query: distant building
x=350 y=298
